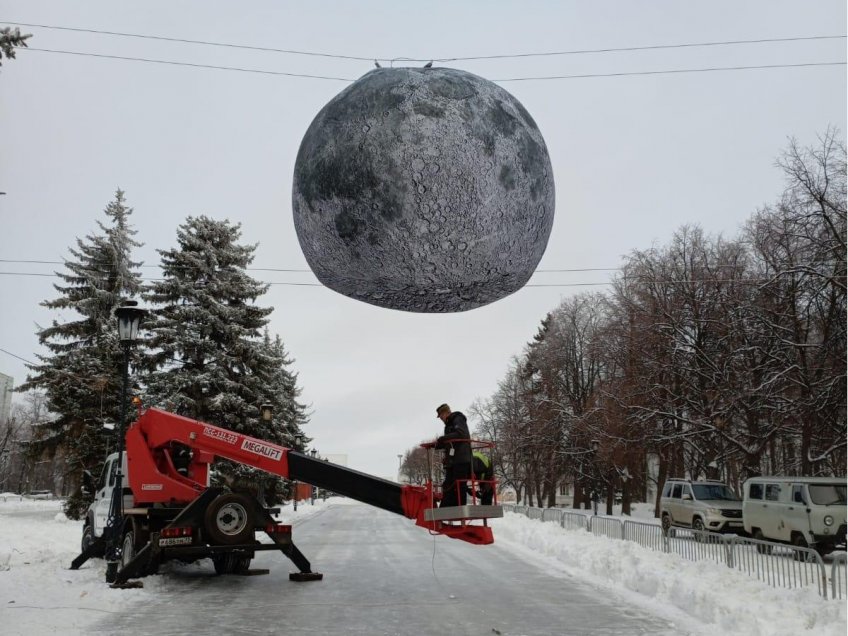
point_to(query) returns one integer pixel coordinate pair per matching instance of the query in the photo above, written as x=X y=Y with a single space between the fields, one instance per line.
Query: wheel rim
x=231 y=519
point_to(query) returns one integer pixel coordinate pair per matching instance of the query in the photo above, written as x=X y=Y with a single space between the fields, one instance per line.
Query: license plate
x=174 y=541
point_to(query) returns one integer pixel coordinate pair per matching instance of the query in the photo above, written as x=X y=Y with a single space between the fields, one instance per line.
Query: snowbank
x=709 y=592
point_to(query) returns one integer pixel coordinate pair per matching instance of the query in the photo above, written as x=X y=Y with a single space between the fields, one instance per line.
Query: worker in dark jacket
x=484 y=473
x=457 y=456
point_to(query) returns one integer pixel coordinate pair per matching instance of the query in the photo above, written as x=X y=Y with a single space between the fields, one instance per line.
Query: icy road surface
x=381 y=577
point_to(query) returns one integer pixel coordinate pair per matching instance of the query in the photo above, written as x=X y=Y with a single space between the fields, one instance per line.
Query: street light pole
x=129 y=318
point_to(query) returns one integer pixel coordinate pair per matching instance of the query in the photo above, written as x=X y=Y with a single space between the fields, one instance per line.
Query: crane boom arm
x=157 y=475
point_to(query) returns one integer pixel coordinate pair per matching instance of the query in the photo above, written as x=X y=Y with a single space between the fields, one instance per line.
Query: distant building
x=6 y=385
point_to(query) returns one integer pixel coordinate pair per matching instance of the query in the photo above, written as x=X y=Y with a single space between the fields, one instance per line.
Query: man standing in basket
x=457 y=456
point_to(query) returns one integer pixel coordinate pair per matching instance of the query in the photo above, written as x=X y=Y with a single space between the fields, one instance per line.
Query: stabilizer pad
x=127 y=585
x=305 y=576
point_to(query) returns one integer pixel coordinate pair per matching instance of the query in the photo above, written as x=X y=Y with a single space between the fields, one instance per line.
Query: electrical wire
x=509 y=79
x=189 y=64
x=670 y=71
x=290 y=270
x=631 y=280
x=650 y=47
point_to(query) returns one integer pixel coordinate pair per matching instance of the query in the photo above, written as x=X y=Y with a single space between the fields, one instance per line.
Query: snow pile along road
x=714 y=594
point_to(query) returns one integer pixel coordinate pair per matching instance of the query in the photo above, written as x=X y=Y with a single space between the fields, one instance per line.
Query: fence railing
x=776 y=564
x=779 y=565
x=838 y=577
x=574 y=520
x=606 y=527
x=648 y=535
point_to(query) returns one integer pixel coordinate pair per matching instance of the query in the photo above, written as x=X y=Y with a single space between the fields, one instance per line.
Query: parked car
x=39 y=494
x=700 y=505
x=803 y=511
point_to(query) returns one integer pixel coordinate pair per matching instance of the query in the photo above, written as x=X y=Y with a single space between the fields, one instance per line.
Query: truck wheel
x=242 y=565
x=128 y=548
x=799 y=541
x=698 y=527
x=229 y=519
x=762 y=549
x=88 y=538
x=223 y=563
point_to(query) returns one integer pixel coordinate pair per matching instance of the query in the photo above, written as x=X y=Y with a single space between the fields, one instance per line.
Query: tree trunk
x=625 y=497
x=662 y=475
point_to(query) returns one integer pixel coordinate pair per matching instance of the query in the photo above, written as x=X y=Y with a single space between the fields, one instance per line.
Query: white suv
x=700 y=505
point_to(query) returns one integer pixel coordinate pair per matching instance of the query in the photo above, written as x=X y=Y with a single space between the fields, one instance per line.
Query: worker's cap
x=443 y=408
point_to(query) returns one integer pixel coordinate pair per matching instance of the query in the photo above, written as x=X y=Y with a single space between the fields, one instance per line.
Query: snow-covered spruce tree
x=210 y=360
x=289 y=414
x=10 y=39
x=82 y=374
x=282 y=391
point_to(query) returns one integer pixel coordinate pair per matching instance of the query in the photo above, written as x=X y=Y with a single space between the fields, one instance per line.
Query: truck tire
x=231 y=564
x=762 y=549
x=88 y=538
x=799 y=541
x=128 y=546
x=223 y=563
x=229 y=520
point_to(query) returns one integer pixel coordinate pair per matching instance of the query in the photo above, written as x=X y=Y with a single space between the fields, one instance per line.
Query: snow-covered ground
x=38 y=594
x=712 y=593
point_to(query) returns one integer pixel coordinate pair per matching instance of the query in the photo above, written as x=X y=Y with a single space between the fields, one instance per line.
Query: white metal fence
x=777 y=564
x=838 y=576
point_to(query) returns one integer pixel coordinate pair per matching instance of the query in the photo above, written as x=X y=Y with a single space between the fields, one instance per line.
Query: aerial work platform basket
x=469 y=520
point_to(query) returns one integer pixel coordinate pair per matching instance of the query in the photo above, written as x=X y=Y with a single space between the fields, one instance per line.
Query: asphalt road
x=382 y=576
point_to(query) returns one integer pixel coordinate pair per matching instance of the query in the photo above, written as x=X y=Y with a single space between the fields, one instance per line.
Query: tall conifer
x=81 y=376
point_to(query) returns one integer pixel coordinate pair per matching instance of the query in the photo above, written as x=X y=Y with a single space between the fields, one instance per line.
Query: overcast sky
x=634 y=158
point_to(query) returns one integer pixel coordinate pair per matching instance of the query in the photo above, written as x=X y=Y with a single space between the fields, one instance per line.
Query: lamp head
x=129 y=318
x=267 y=411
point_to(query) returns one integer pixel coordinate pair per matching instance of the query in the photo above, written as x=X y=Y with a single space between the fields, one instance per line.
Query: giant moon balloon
x=423 y=189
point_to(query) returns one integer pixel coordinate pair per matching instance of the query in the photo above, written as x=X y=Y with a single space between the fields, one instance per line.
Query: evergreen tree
x=10 y=39
x=209 y=360
x=289 y=414
x=82 y=375
x=282 y=392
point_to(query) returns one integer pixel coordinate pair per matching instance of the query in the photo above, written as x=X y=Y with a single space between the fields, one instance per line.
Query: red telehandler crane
x=169 y=511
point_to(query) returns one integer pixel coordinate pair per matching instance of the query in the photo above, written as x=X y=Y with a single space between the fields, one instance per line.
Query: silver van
x=803 y=511
x=701 y=505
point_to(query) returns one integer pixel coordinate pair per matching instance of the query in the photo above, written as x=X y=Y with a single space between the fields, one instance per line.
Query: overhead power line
x=369 y=58
x=670 y=71
x=189 y=64
x=509 y=79
x=634 y=280
x=282 y=269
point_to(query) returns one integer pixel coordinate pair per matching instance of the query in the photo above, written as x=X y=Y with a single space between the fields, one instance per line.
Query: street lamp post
x=266 y=414
x=314 y=453
x=129 y=318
